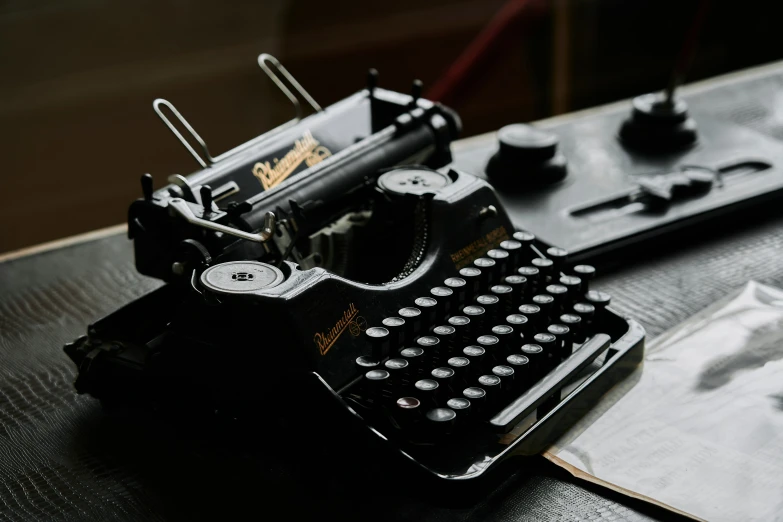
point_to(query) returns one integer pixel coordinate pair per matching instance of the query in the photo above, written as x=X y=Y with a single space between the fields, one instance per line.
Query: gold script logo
x=306 y=150
x=350 y=320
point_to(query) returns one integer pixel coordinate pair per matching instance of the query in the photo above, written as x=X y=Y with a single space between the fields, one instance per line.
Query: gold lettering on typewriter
x=479 y=247
x=350 y=320
x=307 y=150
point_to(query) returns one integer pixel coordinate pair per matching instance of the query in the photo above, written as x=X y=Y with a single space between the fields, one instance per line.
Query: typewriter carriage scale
x=333 y=258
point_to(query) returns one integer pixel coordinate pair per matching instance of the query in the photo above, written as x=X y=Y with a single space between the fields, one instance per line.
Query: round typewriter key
x=374 y=381
x=476 y=355
x=491 y=344
x=556 y=290
x=426 y=390
x=574 y=323
x=445 y=297
x=505 y=335
x=441 y=291
x=489 y=381
x=459 y=287
x=504 y=293
x=537 y=358
x=462 y=324
x=516 y=319
x=398 y=372
x=600 y=300
x=379 y=341
x=501 y=290
x=559 y=256
x=428 y=342
x=492 y=307
x=477 y=316
x=548 y=342
x=524 y=237
x=407 y=411
x=564 y=342
x=440 y=421
x=472 y=276
x=560 y=295
x=506 y=375
x=429 y=309
x=365 y=364
x=426 y=385
x=502 y=261
x=528 y=271
x=448 y=338
x=584 y=310
x=458 y=362
x=412 y=318
x=415 y=358
x=491 y=384
x=529 y=309
x=518 y=284
x=489 y=271
x=396 y=327
x=533 y=313
x=487 y=300
x=514 y=249
x=545 y=267
x=408 y=403
x=533 y=276
x=586 y=273
x=522 y=326
x=574 y=285
x=395 y=365
x=587 y=312
x=546 y=303
x=477 y=397
x=460 y=365
x=444 y=377
x=376 y=375
x=487 y=341
x=459 y=405
x=521 y=365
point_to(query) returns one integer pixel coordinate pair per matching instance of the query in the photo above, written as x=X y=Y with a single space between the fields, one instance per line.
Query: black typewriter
x=339 y=257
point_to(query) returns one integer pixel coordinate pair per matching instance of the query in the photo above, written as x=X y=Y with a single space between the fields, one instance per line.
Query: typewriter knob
x=415 y=182
x=526 y=156
x=241 y=277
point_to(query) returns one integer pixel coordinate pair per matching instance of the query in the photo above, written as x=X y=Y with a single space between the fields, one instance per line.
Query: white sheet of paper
x=698 y=428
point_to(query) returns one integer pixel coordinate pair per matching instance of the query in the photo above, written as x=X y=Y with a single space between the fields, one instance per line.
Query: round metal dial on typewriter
x=240 y=277
x=415 y=182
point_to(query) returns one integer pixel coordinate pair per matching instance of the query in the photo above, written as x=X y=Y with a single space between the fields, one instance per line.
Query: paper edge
x=583 y=475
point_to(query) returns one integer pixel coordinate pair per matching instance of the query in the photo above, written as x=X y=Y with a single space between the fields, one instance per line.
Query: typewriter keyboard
x=469 y=348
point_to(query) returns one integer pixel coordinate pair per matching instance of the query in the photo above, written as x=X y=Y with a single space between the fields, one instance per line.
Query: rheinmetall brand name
x=325 y=340
x=307 y=150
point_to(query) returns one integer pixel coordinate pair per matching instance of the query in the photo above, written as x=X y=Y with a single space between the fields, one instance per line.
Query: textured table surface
x=63 y=458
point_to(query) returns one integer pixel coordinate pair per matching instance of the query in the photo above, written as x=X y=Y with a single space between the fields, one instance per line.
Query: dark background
x=77 y=78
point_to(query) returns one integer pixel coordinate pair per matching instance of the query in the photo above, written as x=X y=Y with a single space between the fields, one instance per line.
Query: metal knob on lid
x=241 y=277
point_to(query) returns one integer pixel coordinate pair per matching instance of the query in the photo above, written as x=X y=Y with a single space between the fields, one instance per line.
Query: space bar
x=552 y=382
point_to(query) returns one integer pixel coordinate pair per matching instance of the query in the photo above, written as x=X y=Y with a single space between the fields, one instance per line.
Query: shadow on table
x=274 y=471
